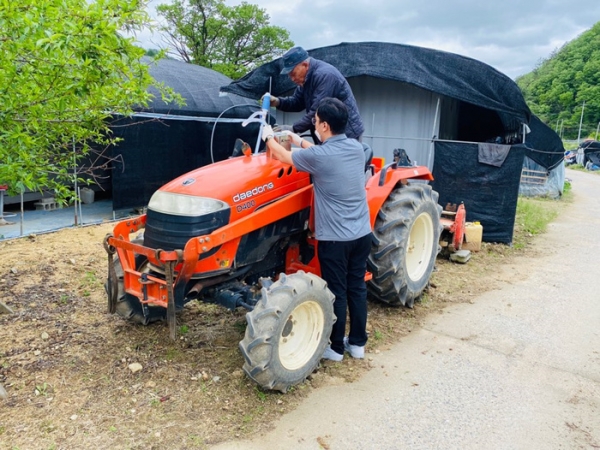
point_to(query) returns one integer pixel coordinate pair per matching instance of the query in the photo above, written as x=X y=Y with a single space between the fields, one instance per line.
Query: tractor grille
x=171 y=232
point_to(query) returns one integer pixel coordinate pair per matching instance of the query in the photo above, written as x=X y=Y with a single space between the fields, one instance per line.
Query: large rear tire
x=288 y=331
x=129 y=306
x=405 y=244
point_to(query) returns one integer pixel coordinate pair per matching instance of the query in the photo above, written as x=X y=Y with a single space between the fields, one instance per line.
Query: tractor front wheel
x=405 y=244
x=288 y=331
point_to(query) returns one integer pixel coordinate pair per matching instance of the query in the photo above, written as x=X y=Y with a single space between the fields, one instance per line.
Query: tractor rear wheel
x=405 y=244
x=129 y=306
x=288 y=331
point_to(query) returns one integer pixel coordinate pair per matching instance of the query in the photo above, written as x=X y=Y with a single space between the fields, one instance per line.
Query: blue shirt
x=338 y=170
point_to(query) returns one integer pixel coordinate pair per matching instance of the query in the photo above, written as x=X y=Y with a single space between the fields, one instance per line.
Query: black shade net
x=543 y=145
x=164 y=141
x=489 y=193
x=445 y=73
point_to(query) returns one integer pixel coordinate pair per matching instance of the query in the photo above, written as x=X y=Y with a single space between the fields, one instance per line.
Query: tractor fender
x=383 y=182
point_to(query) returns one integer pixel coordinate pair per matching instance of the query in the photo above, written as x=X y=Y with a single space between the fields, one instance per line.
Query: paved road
x=517 y=369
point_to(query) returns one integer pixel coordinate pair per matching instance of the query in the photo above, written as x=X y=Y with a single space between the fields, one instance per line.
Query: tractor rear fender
x=381 y=184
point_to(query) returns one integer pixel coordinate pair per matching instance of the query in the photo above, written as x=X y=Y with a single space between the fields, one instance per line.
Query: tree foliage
x=231 y=40
x=65 y=70
x=556 y=90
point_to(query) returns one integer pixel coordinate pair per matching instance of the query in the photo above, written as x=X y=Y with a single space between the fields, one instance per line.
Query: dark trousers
x=343 y=267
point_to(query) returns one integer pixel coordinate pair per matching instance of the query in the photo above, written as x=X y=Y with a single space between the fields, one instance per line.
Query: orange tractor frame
x=238 y=233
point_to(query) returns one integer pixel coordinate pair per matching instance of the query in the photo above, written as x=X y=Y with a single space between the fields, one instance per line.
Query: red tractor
x=238 y=233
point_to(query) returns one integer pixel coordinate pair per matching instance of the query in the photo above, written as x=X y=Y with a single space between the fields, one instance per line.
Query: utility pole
x=597 y=129
x=580 y=123
x=562 y=127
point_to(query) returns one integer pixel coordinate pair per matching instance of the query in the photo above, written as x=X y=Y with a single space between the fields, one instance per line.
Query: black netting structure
x=489 y=193
x=164 y=141
x=449 y=74
x=590 y=146
x=544 y=146
x=490 y=106
x=591 y=152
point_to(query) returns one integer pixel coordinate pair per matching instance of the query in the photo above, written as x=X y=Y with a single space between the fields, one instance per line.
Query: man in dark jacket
x=316 y=80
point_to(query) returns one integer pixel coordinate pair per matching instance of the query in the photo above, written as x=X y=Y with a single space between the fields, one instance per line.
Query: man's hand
x=296 y=140
x=280 y=128
x=267 y=133
x=274 y=101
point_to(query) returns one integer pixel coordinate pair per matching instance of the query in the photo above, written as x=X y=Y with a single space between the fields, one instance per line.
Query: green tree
x=65 y=70
x=153 y=53
x=232 y=40
x=556 y=90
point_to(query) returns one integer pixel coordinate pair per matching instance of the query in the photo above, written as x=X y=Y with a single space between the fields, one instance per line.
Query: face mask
x=318 y=136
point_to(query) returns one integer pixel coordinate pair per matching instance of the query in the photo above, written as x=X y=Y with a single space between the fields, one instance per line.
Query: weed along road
x=519 y=368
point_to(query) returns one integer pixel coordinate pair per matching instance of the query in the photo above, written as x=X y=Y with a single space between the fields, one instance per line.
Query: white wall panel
x=397 y=115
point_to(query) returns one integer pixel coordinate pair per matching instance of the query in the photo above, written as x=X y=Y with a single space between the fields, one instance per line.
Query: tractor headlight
x=184 y=205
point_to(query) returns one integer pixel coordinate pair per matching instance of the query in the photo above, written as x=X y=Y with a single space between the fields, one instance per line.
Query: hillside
x=556 y=90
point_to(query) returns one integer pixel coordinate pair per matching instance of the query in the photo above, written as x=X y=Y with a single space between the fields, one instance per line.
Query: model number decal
x=252 y=192
x=246 y=205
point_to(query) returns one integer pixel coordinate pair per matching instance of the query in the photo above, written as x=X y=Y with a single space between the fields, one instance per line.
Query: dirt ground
x=66 y=364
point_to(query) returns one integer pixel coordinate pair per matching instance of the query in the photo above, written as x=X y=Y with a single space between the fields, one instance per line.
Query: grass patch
x=534 y=215
x=580 y=168
x=172 y=353
x=260 y=394
x=42 y=389
x=567 y=191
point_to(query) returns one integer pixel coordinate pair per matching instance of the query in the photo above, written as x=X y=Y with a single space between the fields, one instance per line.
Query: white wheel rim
x=420 y=242
x=301 y=335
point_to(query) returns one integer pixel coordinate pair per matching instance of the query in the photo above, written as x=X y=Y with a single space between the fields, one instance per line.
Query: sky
x=513 y=36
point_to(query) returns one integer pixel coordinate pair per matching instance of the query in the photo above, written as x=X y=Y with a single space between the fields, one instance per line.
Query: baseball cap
x=292 y=58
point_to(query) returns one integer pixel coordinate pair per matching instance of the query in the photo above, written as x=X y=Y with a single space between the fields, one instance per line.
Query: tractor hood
x=243 y=183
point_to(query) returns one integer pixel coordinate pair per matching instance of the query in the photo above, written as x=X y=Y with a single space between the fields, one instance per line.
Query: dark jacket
x=322 y=80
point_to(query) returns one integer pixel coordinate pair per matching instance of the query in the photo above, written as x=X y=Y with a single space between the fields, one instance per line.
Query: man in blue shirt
x=316 y=80
x=342 y=221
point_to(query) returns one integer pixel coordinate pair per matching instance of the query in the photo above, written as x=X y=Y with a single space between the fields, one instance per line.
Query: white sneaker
x=332 y=355
x=355 y=351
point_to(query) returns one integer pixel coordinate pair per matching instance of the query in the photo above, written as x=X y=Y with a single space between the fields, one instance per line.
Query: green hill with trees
x=565 y=84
